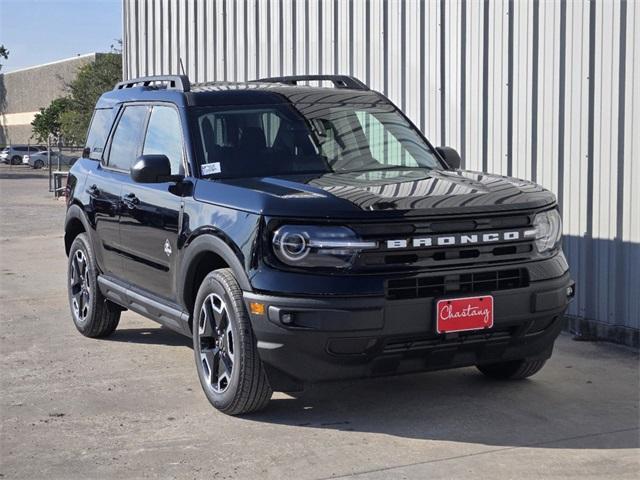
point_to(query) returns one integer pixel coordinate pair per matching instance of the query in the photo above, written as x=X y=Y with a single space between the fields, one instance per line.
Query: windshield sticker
x=210 y=168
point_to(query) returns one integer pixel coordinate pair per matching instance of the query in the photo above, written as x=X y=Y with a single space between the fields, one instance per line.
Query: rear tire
x=93 y=315
x=16 y=160
x=514 y=370
x=226 y=355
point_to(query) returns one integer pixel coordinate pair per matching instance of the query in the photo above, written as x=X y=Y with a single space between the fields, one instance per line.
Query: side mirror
x=86 y=151
x=450 y=156
x=153 y=169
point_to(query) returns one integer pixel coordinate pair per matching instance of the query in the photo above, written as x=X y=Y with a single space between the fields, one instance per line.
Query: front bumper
x=338 y=338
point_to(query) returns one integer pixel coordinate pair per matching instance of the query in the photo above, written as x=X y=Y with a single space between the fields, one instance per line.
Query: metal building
x=547 y=90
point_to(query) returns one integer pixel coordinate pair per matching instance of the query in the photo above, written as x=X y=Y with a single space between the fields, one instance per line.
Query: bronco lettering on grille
x=461 y=239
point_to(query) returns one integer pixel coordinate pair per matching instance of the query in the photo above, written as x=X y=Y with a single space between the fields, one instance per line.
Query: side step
x=168 y=315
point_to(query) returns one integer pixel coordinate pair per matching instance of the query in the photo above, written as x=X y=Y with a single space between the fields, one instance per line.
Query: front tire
x=38 y=164
x=227 y=360
x=93 y=315
x=514 y=370
x=16 y=160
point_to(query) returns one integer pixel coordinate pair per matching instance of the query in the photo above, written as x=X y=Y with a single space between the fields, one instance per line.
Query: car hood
x=385 y=193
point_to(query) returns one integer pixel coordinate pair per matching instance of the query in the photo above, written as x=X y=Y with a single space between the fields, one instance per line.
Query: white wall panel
x=537 y=89
x=497 y=80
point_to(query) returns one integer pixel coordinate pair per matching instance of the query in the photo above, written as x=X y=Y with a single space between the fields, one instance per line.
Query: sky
x=42 y=31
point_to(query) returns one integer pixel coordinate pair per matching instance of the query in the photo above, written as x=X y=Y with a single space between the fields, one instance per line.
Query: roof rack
x=177 y=82
x=339 y=81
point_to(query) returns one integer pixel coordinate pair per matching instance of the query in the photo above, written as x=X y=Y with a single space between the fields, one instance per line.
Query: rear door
x=104 y=186
x=150 y=215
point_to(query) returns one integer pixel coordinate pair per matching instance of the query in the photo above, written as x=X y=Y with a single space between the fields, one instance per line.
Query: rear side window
x=98 y=132
x=164 y=136
x=125 y=144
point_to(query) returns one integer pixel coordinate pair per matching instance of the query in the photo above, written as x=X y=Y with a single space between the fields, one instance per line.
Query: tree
x=92 y=80
x=4 y=53
x=73 y=126
x=47 y=122
x=69 y=117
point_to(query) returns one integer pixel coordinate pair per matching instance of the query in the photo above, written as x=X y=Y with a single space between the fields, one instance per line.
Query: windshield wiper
x=391 y=167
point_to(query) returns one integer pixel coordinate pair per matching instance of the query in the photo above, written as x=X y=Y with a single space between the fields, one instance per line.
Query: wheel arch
x=206 y=253
x=75 y=223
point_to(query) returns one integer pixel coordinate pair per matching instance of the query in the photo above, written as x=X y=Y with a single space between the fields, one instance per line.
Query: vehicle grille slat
x=468 y=283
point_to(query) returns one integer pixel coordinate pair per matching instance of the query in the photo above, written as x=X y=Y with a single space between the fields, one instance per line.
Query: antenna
x=181 y=66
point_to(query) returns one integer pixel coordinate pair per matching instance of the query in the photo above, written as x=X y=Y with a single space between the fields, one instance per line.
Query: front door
x=150 y=214
x=106 y=188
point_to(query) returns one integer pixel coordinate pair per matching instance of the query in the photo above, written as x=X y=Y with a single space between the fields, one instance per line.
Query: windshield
x=307 y=138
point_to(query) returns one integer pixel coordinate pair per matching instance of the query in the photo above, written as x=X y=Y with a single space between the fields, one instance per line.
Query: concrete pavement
x=130 y=406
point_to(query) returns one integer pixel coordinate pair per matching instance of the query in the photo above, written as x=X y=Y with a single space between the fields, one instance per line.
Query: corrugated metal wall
x=543 y=90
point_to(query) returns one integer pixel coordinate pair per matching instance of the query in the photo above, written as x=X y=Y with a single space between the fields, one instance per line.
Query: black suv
x=302 y=234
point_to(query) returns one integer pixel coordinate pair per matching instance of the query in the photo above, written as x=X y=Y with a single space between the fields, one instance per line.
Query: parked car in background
x=41 y=159
x=13 y=154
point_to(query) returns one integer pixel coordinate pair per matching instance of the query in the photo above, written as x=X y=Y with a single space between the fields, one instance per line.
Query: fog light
x=286 y=318
x=571 y=291
x=256 y=308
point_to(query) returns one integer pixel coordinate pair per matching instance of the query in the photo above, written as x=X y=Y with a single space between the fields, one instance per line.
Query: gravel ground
x=130 y=406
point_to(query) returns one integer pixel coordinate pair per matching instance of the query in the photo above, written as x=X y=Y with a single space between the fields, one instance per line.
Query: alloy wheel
x=215 y=334
x=80 y=285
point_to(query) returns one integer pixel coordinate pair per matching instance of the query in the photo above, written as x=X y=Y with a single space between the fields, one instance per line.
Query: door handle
x=93 y=190
x=131 y=200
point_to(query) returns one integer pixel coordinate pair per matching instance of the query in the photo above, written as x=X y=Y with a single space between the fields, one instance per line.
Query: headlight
x=318 y=246
x=548 y=230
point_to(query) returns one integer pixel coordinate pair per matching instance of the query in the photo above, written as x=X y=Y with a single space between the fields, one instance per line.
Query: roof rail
x=177 y=82
x=339 y=81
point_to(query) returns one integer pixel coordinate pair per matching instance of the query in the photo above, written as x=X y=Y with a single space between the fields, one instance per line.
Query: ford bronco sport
x=300 y=234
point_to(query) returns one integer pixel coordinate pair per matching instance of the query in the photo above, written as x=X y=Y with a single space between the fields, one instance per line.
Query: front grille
x=453 y=256
x=383 y=230
x=443 y=257
x=476 y=282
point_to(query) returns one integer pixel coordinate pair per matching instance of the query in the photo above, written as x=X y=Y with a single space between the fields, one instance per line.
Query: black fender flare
x=209 y=243
x=75 y=212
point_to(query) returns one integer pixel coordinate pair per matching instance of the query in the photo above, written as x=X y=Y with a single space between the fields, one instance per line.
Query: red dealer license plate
x=463 y=314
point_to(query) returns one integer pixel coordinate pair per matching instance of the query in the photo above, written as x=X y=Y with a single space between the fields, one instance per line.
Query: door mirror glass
x=450 y=156
x=153 y=169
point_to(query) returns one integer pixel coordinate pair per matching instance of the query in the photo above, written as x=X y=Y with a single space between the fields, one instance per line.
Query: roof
x=221 y=93
x=178 y=90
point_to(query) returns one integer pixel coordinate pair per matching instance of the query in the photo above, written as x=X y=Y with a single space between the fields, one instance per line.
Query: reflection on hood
x=418 y=189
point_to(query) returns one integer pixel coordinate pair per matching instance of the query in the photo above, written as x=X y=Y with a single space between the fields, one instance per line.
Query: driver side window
x=125 y=143
x=164 y=136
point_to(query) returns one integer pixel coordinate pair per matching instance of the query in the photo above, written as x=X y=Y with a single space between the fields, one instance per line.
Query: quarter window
x=164 y=136
x=125 y=145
